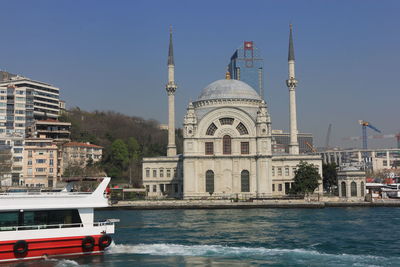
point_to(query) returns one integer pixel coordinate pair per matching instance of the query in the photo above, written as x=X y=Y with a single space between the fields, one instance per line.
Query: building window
x=242 y=129
x=245 y=181
x=244 y=147
x=286 y=171
x=273 y=187
x=343 y=189
x=51 y=170
x=29 y=171
x=154 y=188
x=51 y=162
x=29 y=162
x=147 y=188
x=294 y=171
x=353 y=187
x=154 y=173
x=273 y=174
x=161 y=173
x=227 y=146
x=162 y=188
x=211 y=129
x=40 y=161
x=279 y=171
x=168 y=173
x=226 y=121
x=175 y=172
x=210 y=181
x=147 y=173
x=279 y=187
x=209 y=148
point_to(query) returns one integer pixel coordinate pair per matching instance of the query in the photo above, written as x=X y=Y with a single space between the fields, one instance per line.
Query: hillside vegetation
x=125 y=139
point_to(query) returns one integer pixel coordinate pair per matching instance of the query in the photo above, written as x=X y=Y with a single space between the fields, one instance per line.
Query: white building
x=371 y=159
x=45 y=97
x=227 y=150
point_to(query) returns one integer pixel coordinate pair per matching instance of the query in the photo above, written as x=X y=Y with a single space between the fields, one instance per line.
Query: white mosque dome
x=228 y=89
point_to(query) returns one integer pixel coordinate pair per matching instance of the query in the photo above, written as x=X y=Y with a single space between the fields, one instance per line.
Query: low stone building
x=163 y=177
x=351 y=183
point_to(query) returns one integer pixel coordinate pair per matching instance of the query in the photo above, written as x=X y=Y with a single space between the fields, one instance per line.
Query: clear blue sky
x=111 y=55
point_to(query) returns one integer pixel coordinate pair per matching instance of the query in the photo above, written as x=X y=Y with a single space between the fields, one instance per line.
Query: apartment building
x=16 y=109
x=45 y=97
x=78 y=154
x=40 y=162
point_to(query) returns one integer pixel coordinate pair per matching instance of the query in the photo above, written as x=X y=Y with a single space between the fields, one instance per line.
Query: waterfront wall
x=227 y=204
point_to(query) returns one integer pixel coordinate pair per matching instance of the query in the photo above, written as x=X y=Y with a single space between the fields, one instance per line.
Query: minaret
x=291 y=84
x=171 y=88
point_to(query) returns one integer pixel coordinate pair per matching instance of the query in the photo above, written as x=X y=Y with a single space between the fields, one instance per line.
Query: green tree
x=329 y=176
x=119 y=158
x=133 y=148
x=306 y=179
x=134 y=157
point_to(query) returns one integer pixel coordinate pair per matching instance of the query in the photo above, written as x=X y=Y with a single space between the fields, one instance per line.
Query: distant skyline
x=112 y=55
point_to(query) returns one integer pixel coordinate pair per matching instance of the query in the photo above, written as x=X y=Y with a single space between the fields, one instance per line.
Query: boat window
x=51 y=217
x=68 y=218
x=8 y=219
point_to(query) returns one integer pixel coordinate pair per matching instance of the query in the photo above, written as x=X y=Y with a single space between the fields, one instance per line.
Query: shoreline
x=182 y=204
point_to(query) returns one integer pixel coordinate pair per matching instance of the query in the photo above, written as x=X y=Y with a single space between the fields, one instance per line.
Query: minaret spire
x=291 y=46
x=171 y=89
x=291 y=83
x=171 y=48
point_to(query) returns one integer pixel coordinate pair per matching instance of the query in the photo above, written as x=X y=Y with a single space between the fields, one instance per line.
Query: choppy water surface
x=249 y=237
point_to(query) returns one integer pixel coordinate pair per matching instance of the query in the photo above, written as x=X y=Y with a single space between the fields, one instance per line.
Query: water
x=249 y=237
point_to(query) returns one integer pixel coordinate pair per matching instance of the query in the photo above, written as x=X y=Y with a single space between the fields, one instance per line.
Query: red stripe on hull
x=41 y=248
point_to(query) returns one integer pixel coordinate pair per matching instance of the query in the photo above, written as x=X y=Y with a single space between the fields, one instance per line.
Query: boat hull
x=48 y=247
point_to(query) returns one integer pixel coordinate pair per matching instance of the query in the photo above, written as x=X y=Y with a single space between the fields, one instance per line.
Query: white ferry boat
x=36 y=225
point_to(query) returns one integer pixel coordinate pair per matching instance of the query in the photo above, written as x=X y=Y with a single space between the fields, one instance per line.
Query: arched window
x=210 y=181
x=211 y=129
x=245 y=181
x=226 y=121
x=343 y=188
x=242 y=129
x=353 y=187
x=362 y=189
x=227 y=144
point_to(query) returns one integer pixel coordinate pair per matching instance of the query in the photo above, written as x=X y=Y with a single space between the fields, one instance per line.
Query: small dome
x=228 y=89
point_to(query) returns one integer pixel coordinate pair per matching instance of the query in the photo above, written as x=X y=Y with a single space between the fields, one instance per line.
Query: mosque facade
x=227 y=147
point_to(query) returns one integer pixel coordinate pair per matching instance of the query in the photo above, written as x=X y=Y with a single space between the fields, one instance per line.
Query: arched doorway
x=343 y=189
x=210 y=181
x=362 y=189
x=245 y=181
x=353 y=189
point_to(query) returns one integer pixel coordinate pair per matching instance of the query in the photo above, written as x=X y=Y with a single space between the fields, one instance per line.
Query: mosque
x=227 y=147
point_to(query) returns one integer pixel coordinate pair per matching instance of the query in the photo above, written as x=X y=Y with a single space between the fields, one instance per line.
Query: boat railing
x=61 y=193
x=54 y=226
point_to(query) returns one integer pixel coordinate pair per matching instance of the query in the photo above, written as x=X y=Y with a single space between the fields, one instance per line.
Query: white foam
x=66 y=263
x=225 y=251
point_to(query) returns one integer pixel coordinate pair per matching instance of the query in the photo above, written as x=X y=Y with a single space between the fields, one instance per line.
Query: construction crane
x=311 y=147
x=328 y=136
x=364 y=125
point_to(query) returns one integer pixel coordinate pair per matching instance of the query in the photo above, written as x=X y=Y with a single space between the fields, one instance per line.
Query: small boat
x=40 y=225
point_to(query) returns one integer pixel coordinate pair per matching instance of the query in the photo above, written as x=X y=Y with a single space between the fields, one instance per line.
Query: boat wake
x=247 y=252
x=66 y=263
